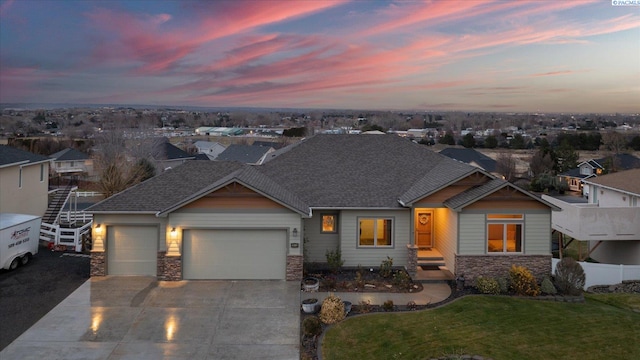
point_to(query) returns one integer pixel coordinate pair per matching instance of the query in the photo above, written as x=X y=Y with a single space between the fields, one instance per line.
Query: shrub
x=503 y=284
x=312 y=326
x=332 y=310
x=487 y=285
x=411 y=305
x=387 y=305
x=569 y=277
x=523 y=282
x=402 y=280
x=386 y=267
x=330 y=282
x=334 y=260
x=547 y=287
x=365 y=306
x=359 y=280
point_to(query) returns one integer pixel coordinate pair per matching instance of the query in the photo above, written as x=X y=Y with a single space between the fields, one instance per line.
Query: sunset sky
x=543 y=55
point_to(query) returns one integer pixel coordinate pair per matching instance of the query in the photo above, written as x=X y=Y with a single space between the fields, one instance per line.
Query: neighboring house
x=168 y=156
x=211 y=149
x=71 y=162
x=24 y=181
x=609 y=219
x=472 y=157
x=248 y=154
x=595 y=167
x=585 y=170
x=368 y=196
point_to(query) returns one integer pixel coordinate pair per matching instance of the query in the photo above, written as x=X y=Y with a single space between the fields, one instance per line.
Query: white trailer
x=19 y=239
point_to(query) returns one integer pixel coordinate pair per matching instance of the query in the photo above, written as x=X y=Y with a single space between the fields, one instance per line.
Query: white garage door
x=234 y=254
x=132 y=250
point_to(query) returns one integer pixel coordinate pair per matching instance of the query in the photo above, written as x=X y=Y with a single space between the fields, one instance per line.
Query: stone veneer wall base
x=472 y=266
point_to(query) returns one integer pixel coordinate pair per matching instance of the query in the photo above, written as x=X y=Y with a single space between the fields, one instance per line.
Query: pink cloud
x=4 y=7
x=158 y=43
x=553 y=73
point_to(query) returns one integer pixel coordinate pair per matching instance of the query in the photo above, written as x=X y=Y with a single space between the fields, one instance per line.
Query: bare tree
x=506 y=165
x=117 y=169
x=614 y=142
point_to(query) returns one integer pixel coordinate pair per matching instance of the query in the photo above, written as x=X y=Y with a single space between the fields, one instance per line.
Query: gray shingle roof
x=470 y=155
x=10 y=155
x=68 y=154
x=247 y=154
x=179 y=186
x=324 y=171
x=164 y=150
x=168 y=188
x=628 y=181
x=329 y=171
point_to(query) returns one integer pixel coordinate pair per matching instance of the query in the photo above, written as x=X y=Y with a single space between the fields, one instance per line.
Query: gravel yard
x=31 y=291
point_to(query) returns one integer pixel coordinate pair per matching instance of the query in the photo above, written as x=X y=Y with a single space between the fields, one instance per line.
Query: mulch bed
x=370 y=281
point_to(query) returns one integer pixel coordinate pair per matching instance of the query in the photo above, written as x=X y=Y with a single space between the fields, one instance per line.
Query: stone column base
x=294 y=267
x=412 y=259
x=169 y=267
x=98 y=264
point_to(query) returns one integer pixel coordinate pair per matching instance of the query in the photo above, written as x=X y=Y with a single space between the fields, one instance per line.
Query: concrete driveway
x=141 y=318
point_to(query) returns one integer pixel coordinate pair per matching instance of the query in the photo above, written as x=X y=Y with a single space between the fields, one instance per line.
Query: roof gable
x=485 y=190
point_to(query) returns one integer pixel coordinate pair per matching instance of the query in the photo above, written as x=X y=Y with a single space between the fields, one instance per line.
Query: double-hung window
x=375 y=232
x=504 y=233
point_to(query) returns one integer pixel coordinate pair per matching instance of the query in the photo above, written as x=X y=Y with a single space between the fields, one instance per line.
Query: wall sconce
x=174 y=234
x=98 y=242
x=295 y=232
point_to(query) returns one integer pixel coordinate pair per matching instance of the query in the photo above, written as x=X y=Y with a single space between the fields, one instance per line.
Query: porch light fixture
x=98 y=229
x=295 y=232
x=174 y=233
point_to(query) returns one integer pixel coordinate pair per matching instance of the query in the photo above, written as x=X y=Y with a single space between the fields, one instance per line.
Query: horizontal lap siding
x=537 y=234
x=317 y=243
x=354 y=256
x=472 y=234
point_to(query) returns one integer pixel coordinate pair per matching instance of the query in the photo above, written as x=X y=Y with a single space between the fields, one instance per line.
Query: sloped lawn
x=603 y=327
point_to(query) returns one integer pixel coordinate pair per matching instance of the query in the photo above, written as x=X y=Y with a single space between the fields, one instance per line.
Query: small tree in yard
x=334 y=260
x=570 y=277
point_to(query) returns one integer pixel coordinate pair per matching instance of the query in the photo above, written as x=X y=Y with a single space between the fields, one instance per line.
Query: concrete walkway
x=431 y=293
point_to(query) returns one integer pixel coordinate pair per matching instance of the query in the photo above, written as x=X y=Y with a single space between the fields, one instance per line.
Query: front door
x=424 y=228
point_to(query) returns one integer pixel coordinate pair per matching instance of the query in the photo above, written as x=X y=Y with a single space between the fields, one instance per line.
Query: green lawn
x=604 y=327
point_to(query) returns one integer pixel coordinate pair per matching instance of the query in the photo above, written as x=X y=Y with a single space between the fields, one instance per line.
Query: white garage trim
x=241 y=254
x=132 y=250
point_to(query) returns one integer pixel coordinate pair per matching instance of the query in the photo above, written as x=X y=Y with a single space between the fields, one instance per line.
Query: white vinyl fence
x=604 y=274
